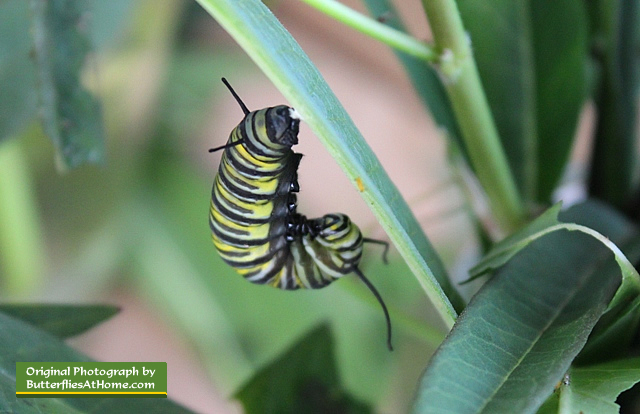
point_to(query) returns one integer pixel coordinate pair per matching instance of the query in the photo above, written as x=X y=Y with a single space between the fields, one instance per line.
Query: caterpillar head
x=283 y=125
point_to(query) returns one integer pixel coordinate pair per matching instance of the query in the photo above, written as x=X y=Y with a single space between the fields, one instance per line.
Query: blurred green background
x=133 y=231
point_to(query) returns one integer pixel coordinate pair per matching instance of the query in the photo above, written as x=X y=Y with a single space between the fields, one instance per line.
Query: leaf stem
x=379 y=31
x=462 y=82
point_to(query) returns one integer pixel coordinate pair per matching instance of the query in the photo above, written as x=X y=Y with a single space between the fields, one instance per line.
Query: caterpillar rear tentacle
x=382 y=242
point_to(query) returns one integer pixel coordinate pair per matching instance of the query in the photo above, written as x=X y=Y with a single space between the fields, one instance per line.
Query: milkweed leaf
x=520 y=333
x=62 y=321
x=20 y=341
x=70 y=114
x=303 y=380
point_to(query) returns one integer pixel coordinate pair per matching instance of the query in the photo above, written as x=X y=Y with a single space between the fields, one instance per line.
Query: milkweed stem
x=395 y=38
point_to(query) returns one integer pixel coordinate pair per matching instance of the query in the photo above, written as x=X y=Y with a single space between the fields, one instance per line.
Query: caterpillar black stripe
x=253 y=216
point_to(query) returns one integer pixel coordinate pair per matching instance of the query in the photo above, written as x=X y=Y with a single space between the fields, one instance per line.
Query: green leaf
x=303 y=380
x=273 y=49
x=551 y=406
x=559 y=34
x=602 y=218
x=594 y=389
x=70 y=114
x=612 y=336
x=616 y=39
x=607 y=220
x=616 y=328
x=20 y=341
x=531 y=57
x=501 y=39
x=62 y=321
x=519 y=334
x=612 y=227
x=504 y=250
x=17 y=74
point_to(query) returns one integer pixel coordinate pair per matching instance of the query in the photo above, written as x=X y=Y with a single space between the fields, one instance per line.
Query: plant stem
x=462 y=82
x=379 y=31
x=21 y=250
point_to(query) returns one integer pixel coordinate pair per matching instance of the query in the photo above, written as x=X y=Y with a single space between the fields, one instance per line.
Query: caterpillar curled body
x=253 y=214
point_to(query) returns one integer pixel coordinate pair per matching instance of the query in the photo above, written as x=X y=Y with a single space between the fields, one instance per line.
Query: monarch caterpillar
x=253 y=214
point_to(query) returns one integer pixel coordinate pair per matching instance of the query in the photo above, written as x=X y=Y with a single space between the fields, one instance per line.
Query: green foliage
x=21 y=341
x=41 y=68
x=595 y=388
x=527 y=322
x=560 y=49
x=534 y=55
x=613 y=334
x=303 y=380
x=504 y=250
x=70 y=114
x=17 y=73
x=62 y=321
x=615 y=39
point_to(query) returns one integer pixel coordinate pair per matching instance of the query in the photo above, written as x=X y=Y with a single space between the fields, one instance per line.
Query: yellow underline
x=57 y=392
